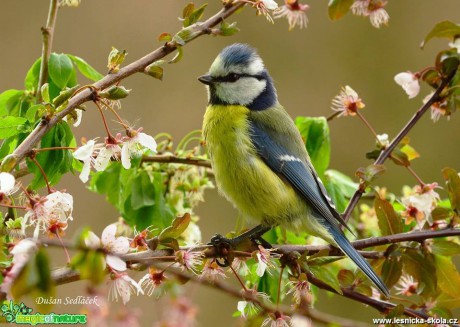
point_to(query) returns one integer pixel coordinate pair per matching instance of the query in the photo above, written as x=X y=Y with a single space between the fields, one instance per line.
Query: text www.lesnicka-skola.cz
x=431 y=321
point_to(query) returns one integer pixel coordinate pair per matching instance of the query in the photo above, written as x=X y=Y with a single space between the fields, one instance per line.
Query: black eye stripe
x=233 y=77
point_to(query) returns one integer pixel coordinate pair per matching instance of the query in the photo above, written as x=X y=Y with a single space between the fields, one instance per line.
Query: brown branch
x=47 y=35
x=180 y=160
x=137 y=66
x=404 y=131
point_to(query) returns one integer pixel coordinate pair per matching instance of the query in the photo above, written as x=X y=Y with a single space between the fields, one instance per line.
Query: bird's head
x=238 y=77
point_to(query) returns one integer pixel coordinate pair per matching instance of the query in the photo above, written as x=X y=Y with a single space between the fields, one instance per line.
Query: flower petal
x=84 y=175
x=7 y=182
x=120 y=245
x=115 y=262
x=108 y=234
x=84 y=152
x=147 y=141
x=126 y=156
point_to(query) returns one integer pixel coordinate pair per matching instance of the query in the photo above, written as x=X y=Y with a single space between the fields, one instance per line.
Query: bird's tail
x=344 y=244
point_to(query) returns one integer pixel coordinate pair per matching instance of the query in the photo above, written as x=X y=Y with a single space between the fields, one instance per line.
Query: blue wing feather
x=301 y=175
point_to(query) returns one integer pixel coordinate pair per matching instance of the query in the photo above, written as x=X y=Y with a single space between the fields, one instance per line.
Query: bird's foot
x=223 y=248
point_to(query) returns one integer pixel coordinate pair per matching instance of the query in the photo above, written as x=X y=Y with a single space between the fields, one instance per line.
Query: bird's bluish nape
x=259 y=158
x=238 y=77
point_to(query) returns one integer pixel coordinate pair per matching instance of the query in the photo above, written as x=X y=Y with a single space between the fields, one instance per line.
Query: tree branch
x=137 y=66
x=47 y=34
x=404 y=131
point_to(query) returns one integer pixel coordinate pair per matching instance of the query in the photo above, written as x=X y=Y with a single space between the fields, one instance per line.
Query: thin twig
x=180 y=160
x=404 y=131
x=47 y=34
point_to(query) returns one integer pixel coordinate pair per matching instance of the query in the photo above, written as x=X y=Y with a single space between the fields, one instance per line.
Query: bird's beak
x=206 y=79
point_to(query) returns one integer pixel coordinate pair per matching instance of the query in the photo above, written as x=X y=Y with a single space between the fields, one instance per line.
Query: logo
x=22 y=314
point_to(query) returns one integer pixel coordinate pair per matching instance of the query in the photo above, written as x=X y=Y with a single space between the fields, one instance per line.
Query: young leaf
x=10 y=126
x=392 y=270
x=31 y=80
x=340 y=187
x=179 y=225
x=142 y=191
x=165 y=37
x=389 y=222
x=86 y=69
x=226 y=29
x=448 y=276
x=453 y=187
x=116 y=58
x=9 y=99
x=155 y=70
x=194 y=16
x=315 y=132
x=370 y=173
x=338 y=8
x=346 y=277
x=446 y=248
x=444 y=29
x=188 y=9
x=178 y=56
x=60 y=69
x=32 y=112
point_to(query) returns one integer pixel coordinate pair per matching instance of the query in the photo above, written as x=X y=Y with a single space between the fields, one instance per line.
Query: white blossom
x=347 y=102
x=8 y=184
x=409 y=82
x=134 y=146
x=85 y=154
x=123 y=286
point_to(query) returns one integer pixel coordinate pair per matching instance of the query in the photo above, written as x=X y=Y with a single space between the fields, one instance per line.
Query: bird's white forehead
x=255 y=66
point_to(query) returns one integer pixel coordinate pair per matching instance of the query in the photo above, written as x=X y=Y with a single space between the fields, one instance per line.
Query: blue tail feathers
x=345 y=245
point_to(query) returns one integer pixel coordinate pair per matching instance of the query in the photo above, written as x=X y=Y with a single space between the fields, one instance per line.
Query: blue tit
x=258 y=157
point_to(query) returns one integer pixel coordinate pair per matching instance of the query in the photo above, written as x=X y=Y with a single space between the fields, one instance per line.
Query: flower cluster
x=126 y=148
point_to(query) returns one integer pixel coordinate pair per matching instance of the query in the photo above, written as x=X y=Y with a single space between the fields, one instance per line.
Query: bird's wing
x=297 y=171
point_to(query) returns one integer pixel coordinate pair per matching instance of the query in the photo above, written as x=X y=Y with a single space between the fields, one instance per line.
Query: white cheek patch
x=255 y=67
x=287 y=157
x=243 y=92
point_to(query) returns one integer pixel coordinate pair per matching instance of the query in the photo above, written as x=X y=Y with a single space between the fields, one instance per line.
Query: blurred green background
x=308 y=66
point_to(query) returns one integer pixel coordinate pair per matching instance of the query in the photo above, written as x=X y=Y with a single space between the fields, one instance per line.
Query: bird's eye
x=232 y=77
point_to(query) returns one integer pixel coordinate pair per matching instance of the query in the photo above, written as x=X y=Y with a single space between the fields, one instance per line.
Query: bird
x=259 y=159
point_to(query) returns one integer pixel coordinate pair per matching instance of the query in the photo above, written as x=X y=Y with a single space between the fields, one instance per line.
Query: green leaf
x=188 y=9
x=448 y=276
x=116 y=58
x=315 y=132
x=60 y=69
x=444 y=29
x=115 y=93
x=155 y=70
x=340 y=187
x=444 y=247
x=55 y=163
x=166 y=37
x=346 y=277
x=446 y=301
x=11 y=126
x=422 y=268
x=179 y=225
x=86 y=69
x=338 y=8
x=370 y=173
x=194 y=16
x=32 y=112
x=8 y=146
x=226 y=29
x=453 y=187
x=397 y=311
x=321 y=261
x=178 y=56
x=108 y=182
x=391 y=270
x=33 y=75
x=8 y=100
x=64 y=96
x=90 y=264
x=268 y=284
x=389 y=222
x=326 y=276
x=142 y=191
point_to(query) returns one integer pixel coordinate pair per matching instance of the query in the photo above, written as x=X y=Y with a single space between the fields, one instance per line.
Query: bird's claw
x=223 y=246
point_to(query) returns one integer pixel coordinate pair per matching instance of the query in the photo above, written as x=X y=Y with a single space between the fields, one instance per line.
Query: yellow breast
x=240 y=174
